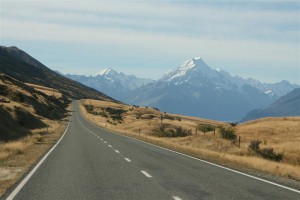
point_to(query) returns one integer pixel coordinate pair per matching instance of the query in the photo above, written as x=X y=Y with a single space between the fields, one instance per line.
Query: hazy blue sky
x=259 y=39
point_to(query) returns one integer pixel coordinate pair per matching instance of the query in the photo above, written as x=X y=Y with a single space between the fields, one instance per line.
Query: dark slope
x=287 y=105
x=19 y=65
x=16 y=116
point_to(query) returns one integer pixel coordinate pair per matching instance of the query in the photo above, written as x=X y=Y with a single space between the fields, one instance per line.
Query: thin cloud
x=246 y=33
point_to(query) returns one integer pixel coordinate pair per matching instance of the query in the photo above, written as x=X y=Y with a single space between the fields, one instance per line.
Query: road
x=93 y=163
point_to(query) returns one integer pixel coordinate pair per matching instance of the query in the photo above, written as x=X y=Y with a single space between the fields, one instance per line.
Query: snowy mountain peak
x=189 y=66
x=106 y=72
x=193 y=63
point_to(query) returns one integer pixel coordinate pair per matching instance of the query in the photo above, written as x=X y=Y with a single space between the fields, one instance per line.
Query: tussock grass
x=14 y=147
x=46 y=90
x=281 y=134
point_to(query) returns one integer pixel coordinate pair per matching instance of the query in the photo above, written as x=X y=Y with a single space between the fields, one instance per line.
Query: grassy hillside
x=179 y=132
x=26 y=109
x=21 y=66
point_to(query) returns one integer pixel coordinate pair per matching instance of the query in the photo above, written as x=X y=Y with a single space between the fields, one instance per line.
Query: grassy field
x=281 y=134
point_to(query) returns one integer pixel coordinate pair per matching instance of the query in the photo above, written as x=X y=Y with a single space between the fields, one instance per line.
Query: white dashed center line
x=146 y=174
x=105 y=142
x=176 y=198
x=117 y=151
x=127 y=159
x=110 y=146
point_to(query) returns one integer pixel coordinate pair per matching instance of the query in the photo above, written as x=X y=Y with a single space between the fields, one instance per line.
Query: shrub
x=228 y=133
x=205 y=128
x=177 y=132
x=254 y=145
x=267 y=153
x=89 y=108
x=114 y=111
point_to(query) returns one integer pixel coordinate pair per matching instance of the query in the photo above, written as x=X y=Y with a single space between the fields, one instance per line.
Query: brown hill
x=22 y=108
x=21 y=66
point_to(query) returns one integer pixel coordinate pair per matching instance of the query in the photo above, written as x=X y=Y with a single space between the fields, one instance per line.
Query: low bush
x=254 y=145
x=177 y=132
x=89 y=108
x=267 y=153
x=227 y=133
x=205 y=128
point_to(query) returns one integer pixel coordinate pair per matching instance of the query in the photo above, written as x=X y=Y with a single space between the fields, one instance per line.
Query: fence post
x=239 y=141
x=214 y=130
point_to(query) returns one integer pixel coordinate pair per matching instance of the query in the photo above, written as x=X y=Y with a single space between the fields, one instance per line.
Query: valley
x=193 y=89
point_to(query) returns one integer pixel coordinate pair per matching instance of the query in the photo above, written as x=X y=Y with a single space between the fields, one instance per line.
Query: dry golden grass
x=46 y=90
x=282 y=134
x=14 y=148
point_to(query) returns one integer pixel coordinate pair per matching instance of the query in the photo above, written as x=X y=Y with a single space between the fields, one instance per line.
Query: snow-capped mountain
x=198 y=90
x=192 y=89
x=115 y=84
x=128 y=81
x=197 y=72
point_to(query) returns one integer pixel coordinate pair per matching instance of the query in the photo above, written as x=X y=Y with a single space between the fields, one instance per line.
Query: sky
x=258 y=39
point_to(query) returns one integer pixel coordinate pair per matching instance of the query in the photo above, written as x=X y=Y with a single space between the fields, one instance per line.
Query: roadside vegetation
x=275 y=151
x=31 y=121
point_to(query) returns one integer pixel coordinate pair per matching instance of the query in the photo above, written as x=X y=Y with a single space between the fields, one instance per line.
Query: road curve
x=93 y=163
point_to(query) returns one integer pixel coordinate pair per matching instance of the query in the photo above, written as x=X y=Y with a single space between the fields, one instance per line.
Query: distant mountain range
x=287 y=105
x=192 y=89
x=115 y=84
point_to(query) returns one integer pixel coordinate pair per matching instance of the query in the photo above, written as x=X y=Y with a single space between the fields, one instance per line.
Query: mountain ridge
x=287 y=105
x=111 y=82
x=18 y=64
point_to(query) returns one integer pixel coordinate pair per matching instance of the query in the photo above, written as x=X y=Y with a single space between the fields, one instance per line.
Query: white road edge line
x=26 y=179
x=117 y=151
x=207 y=162
x=127 y=159
x=146 y=174
x=176 y=198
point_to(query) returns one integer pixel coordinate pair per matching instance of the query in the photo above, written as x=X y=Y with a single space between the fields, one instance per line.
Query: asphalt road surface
x=92 y=163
